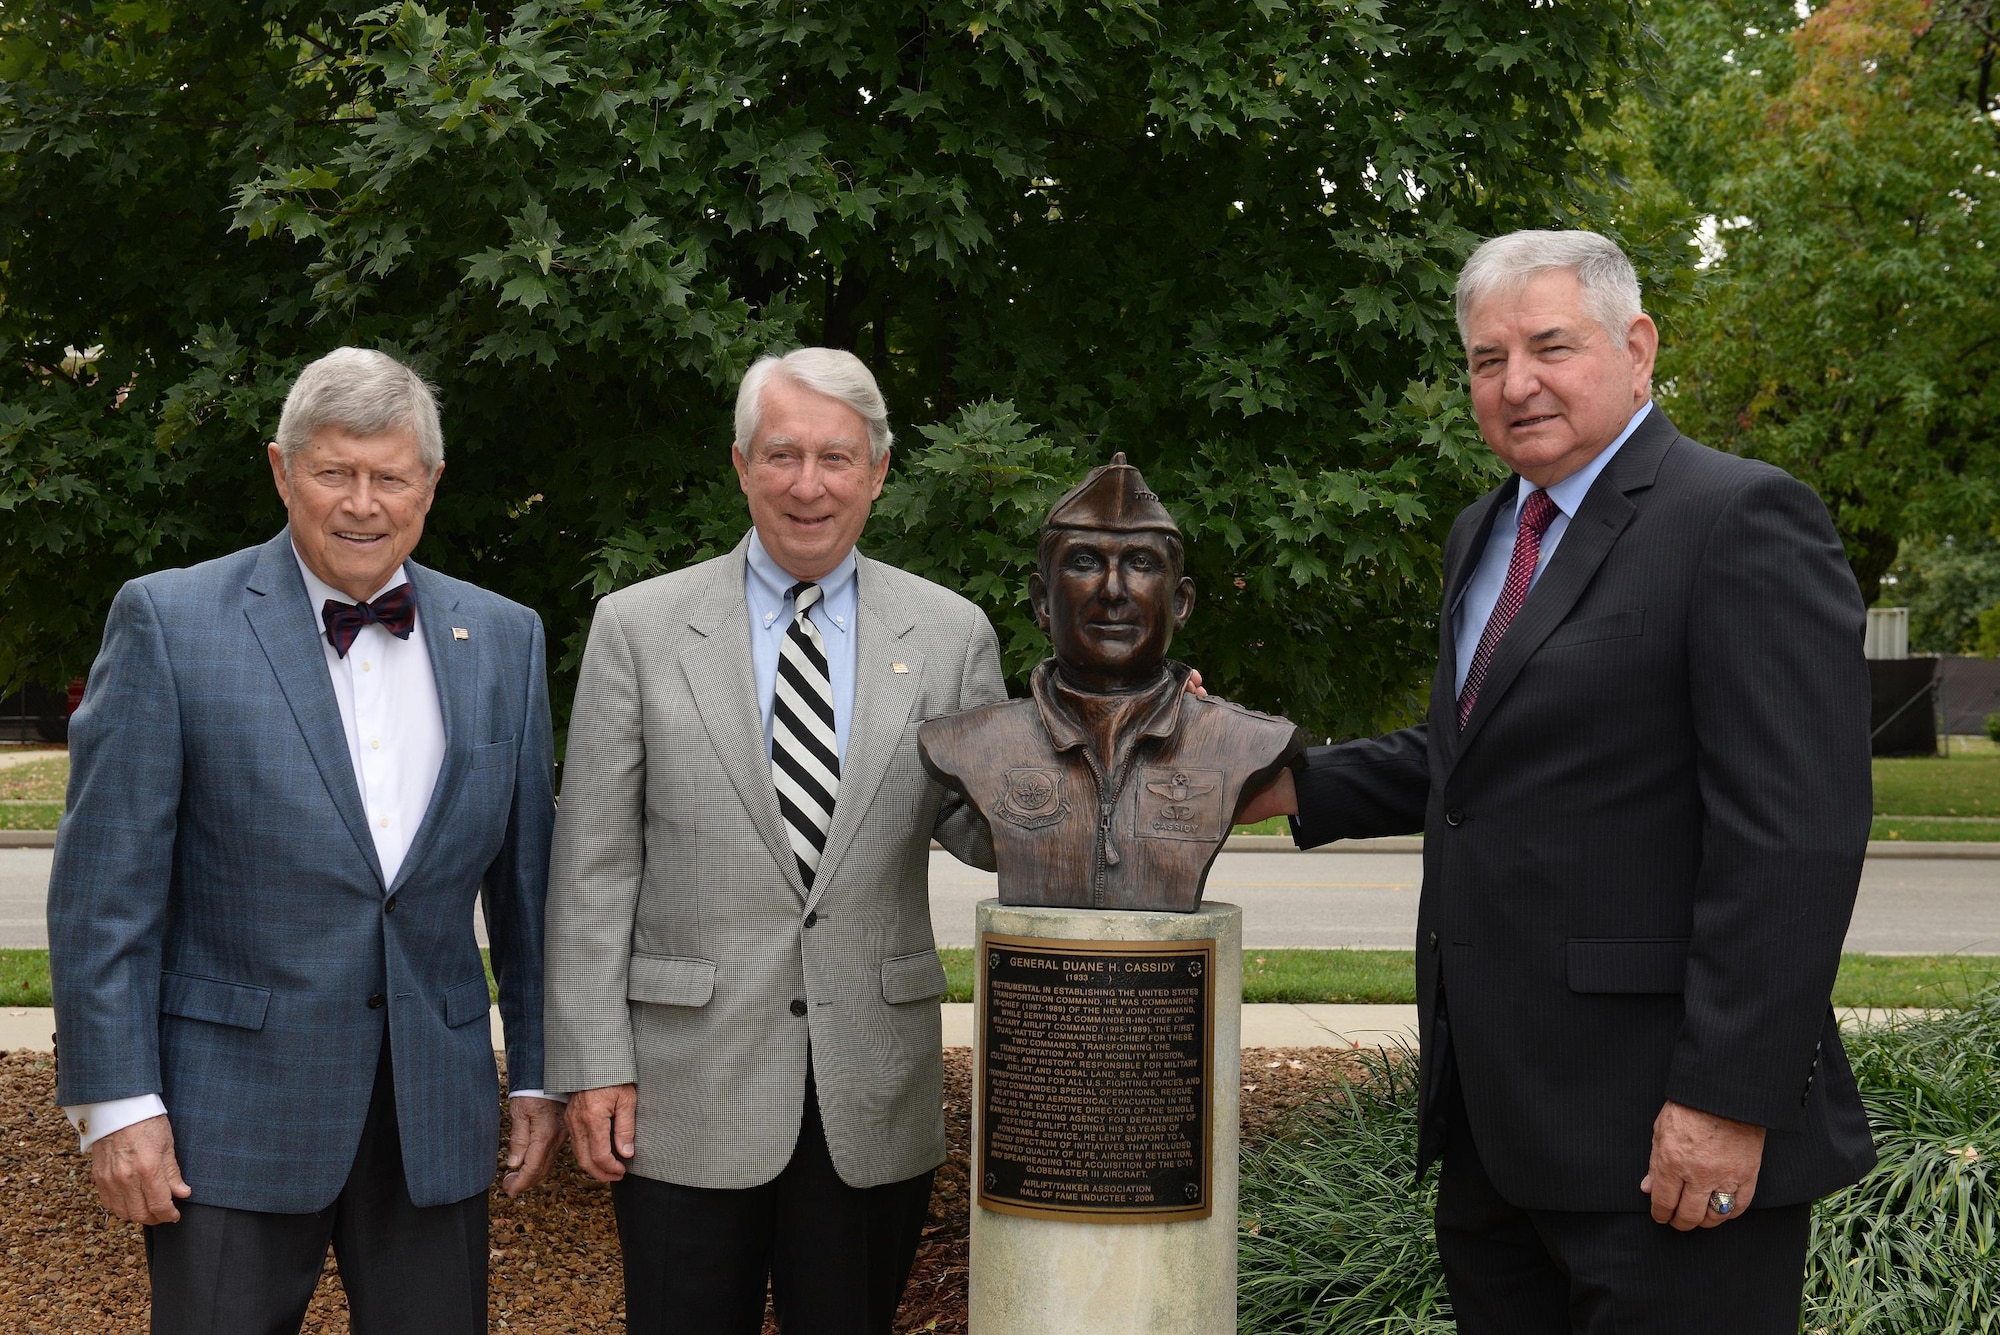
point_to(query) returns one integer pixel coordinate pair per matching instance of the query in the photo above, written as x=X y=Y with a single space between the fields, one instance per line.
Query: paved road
x=1907 y=906
x=1328 y=900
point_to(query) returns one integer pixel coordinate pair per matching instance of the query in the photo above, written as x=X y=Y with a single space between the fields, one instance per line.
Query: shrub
x=1334 y=1235
x=1915 y=1245
x=1336 y=1239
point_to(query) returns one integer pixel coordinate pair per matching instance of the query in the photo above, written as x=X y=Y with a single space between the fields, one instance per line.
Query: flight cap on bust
x=1112 y=498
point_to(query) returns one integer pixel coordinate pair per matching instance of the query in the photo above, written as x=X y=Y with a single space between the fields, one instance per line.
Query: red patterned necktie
x=395 y=611
x=1536 y=515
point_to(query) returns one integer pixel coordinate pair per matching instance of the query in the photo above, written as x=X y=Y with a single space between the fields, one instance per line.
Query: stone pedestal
x=1039 y=1275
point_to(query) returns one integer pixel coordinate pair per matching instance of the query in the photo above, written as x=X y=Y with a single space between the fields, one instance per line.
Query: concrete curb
x=32 y=1028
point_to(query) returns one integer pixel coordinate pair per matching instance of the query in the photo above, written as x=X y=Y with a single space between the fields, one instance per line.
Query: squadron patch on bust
x=1034 y=798
x=1179 y=804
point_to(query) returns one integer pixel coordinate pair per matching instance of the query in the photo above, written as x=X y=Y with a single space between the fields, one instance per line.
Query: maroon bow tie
x=395 y=611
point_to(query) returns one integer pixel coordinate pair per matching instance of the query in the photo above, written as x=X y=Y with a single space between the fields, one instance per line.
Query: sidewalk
x=1264 y=1026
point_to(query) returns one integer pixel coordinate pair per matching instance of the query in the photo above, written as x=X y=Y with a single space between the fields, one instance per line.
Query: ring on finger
x=1722 y=1202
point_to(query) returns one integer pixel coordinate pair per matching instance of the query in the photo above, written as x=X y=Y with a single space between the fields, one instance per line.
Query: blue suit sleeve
x=114 y=858
x=516 y=885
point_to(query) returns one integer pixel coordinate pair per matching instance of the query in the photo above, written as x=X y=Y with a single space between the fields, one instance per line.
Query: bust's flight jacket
x=1140 y=837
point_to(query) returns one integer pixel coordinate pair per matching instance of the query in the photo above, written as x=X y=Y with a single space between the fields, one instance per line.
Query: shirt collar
x=768 y=584
x=318 y=591
x=1158 y=719
x=1568 y=494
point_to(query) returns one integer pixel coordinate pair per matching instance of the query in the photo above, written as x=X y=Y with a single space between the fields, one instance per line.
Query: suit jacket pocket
x=465 y=1002
x=1616 y=626
x=917 y=977
x=1628 y=964
x=665 y=980
x=194 y=998
x=493 y=753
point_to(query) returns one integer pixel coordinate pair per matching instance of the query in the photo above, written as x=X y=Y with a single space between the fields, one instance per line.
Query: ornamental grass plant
x=1334 y=1235
x=1336 y=1239
x=1914 y=1247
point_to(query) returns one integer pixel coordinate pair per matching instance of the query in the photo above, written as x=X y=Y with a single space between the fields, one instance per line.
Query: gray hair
x=364 y=393
x=1610 y=287
x=829 y=371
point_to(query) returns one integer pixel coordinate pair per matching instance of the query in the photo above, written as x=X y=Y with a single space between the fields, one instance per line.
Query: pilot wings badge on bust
x=1180 y=788
x=1034 y=798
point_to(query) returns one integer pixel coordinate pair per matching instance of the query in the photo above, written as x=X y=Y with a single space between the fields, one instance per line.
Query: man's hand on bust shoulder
x=1695 y=1153
x=137 y=1176
x=601 y=1127
x=536 y=1130
x=1280 y=797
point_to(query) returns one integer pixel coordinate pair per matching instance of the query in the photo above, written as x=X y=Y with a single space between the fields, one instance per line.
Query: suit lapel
x=1459 y=566
x=1592 y=533
x=883 y=700
x=723 y=686
x=455 y=669
x=289 y=631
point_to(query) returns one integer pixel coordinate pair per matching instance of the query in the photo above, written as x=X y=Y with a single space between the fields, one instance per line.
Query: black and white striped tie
x=805 y=764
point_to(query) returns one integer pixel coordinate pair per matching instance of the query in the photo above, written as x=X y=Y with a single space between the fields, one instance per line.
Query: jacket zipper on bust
x=1107 y=806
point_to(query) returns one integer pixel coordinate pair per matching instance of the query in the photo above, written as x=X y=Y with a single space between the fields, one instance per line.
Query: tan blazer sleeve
x=596 y=868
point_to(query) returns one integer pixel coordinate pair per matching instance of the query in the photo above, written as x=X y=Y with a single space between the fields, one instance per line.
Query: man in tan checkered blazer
x=743 y=1000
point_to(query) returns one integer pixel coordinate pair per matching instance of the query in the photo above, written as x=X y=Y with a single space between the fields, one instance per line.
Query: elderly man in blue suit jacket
x=294 y=771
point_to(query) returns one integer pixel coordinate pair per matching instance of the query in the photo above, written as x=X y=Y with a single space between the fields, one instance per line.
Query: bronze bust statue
x=1111 y=786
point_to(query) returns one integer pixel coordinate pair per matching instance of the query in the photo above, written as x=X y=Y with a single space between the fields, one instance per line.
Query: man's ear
x=1038 y=600
x=280 y=474
x=1183 y=602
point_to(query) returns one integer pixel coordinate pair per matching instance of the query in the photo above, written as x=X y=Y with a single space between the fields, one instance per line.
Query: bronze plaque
x=1094 y=1079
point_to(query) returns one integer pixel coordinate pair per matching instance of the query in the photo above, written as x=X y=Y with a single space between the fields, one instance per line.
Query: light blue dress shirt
x=1489 y=577
x=767 y=589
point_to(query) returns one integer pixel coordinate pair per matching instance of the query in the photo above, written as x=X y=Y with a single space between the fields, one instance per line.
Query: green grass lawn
x=1389 y=977
x=1960 y=785
x=1353 y=977
x=31 y=816
x=36 y=781
x=1935 y=831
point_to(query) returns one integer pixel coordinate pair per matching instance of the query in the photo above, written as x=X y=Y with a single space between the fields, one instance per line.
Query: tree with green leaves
x=1847 y=327
x=1217 y=236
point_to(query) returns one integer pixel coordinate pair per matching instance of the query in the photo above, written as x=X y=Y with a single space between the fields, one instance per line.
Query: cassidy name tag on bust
x=1180 y=804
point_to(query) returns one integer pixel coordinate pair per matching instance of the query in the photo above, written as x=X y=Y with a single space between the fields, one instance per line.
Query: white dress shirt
x=1489 y=577
x=389 y=711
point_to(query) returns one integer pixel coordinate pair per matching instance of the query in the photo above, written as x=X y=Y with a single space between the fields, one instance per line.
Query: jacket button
x=377 y=1002
x=812 y=919
x=1433 y=940
x=390 y=905
x=799 y=1008
x=1454 y=818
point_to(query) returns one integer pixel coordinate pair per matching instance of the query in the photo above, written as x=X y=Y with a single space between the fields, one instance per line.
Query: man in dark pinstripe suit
x=1644 y=789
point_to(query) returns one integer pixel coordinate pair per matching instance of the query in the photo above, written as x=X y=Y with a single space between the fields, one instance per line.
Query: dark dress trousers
x=1641 y=855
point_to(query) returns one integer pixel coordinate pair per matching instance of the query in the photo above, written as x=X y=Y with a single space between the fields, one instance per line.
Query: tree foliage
x=1847 y=163
x=1946 y=583
x=1218 y=236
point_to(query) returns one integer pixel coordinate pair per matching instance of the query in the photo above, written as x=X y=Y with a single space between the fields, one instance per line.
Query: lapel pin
x=460 y=633
x=901 y=669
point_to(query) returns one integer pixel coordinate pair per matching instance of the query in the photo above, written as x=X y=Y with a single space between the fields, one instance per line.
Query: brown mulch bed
x=70 y=1267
